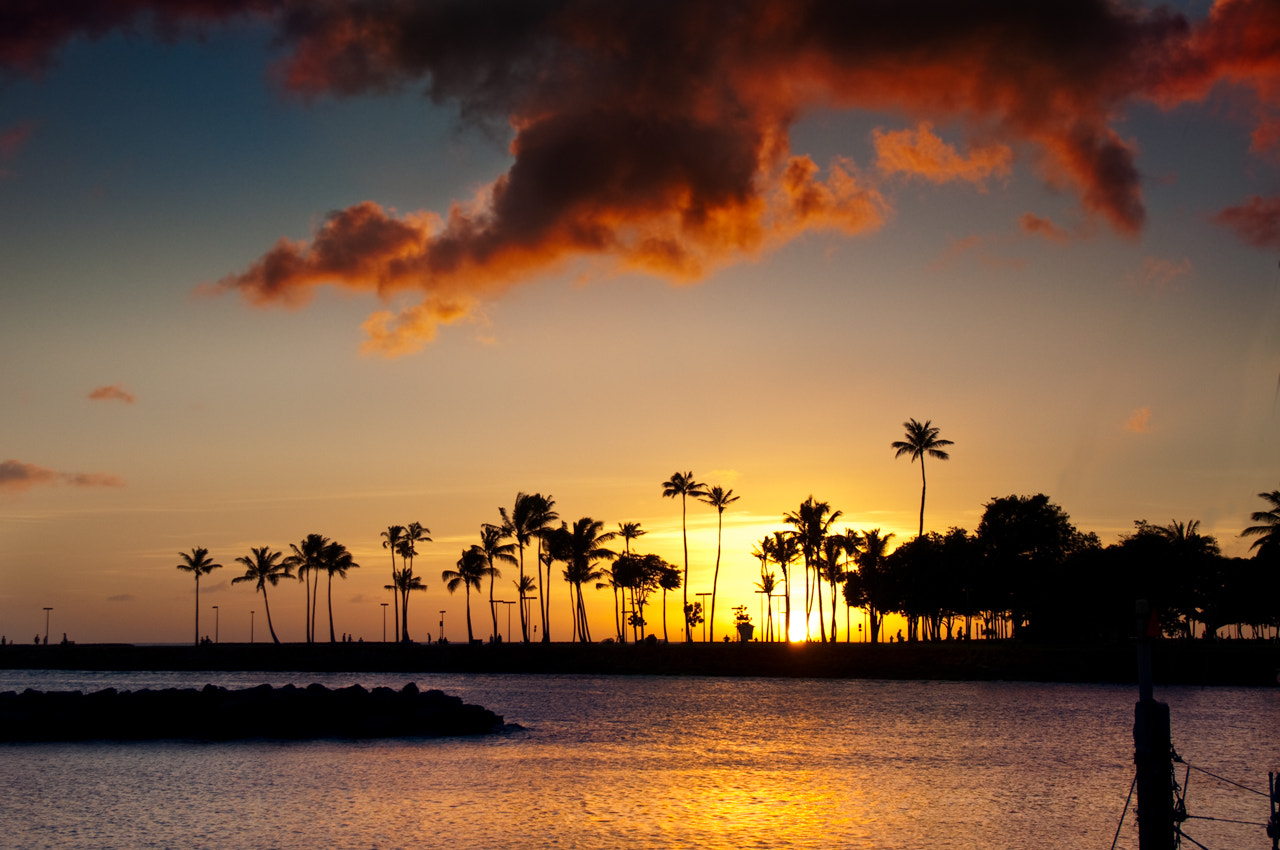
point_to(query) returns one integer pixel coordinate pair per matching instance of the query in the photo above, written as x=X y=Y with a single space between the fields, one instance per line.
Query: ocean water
x=604 y=762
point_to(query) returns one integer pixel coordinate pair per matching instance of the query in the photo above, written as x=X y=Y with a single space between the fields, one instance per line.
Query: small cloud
x=920 y=152
x=17 y=477
x=1037 y=226
x=1256 y=221
x=973 y=246
x=1158 y=275
x=1139 y=422
x=114 y=392
x=122 y=597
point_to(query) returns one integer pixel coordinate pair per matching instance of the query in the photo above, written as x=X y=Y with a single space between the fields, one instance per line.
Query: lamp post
x=46 y=626
x=384 y=621
x=704 y=618
x=215 y=623
x=250 y=626
x=441 y=625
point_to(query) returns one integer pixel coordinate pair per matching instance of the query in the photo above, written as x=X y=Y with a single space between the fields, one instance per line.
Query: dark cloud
x=17 y=476
x=1256 y=221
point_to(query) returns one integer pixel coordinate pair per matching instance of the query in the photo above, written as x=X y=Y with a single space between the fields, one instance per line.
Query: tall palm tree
x=472 y=567
x=544 y=516
x=406 y=582
x=391 y=540
x=629 y=531
x=768 y=583
x=718 y=498
x=921 y=440
x=530 y=515
x=812 y=523
x=263 y=567
x=581 y=547
x=524 y=587
x=784 y=550
x=833 y=547
x=682 y=484
x=198 y=562
x=414 y=534
x=308 y=558
x=494 y=550
x=669 y=579
x=337 y=560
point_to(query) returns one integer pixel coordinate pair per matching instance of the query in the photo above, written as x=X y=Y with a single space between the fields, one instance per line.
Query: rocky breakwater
x=218 y=714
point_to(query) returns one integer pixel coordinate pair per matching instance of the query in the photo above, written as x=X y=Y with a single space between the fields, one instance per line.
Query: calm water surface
x=656 y=762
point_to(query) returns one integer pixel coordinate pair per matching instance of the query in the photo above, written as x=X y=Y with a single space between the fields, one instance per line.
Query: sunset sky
x=270 y=268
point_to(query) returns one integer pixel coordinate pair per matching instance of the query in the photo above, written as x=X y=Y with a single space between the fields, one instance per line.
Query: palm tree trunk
x=922 y=489
x=524 y=621
x=544 y=596
x=395 y=598
x=267 y=605
x=492 y=611
x=684 y=612
x=332 y=637
x=470 y=636
x=197 y=609
x=306 y=608
x=715 y=578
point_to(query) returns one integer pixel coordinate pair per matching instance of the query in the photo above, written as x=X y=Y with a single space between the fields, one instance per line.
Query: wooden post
x=1153 y=750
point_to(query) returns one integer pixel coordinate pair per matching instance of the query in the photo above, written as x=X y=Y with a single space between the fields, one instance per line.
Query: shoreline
x=1252 y=663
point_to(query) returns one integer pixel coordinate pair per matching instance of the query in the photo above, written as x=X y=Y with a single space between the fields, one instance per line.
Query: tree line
x=1026 y=571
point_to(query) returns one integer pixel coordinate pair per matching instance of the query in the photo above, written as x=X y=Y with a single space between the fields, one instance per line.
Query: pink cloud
x=114 y=392
x=17 y=476
x=921 y=153
x=1256 y=221
x=1139 y=422
x=1037 y=226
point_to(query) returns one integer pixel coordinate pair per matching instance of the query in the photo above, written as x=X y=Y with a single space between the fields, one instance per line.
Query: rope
x=1132 y=785
x=1228 y=781
x=1182 y=834
x=1225 y=820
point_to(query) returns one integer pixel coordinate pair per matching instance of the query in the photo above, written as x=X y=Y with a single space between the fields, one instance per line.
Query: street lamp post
x=46 y=626
x=215 y=623
x=384 y=621
x=442 y=625
x=251 y=626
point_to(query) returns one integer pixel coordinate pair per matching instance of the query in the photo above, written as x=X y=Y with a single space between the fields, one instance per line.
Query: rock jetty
x=218 y=714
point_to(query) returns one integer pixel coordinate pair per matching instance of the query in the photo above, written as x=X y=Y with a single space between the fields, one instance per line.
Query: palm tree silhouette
x=870 y=559
x=406 y=583
x=580 y=548
x=263 y=567
x=308 y=557
x=683 y=485
x=472 y=567
x=767 y=584
x=336 y=560
x=784 y=549
x=629 y=531
x=921 y=440
x=1268 y=528
x=391 y=540
x=494 y=550
x=670 y=579
x=524 y=587
x=530 y=515
x=718 y=498
x=198 y=562
x=812 y=522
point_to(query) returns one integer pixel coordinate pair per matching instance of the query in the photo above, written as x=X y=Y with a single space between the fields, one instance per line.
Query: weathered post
x=1152 y=747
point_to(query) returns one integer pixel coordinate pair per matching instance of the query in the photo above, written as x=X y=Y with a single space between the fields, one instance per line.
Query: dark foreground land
x=1230 y=662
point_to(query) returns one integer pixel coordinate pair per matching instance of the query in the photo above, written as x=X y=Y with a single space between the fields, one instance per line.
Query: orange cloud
x=1139 y=422
x=17 y=476
x=1158 y=274
x=922 y=153
x=1256 y=221
x=1037 y=226
x=114 y=392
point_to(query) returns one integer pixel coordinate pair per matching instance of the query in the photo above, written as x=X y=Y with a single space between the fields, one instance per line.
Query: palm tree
x=683 y=485
x=198 y=562
x=580 y=548
x=718 y=498
x=922 y=439
x=524 y=586
x=629 y=531
x=392 y=537
x=544 y=515
x=530 y=514
x=473 y=566
x=768 y=583
x=336 y=560
x=494 y=550
x=784 y=549
x=406 y=582
x=407 y=552
x=832 y=571
x=812 y=522
x=263 y=567
x=1268 y=529
x=870 y=558
x=669 y=579
x=308 y=557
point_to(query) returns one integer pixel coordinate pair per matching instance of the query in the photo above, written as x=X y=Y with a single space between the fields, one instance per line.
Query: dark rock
x=217 y=714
